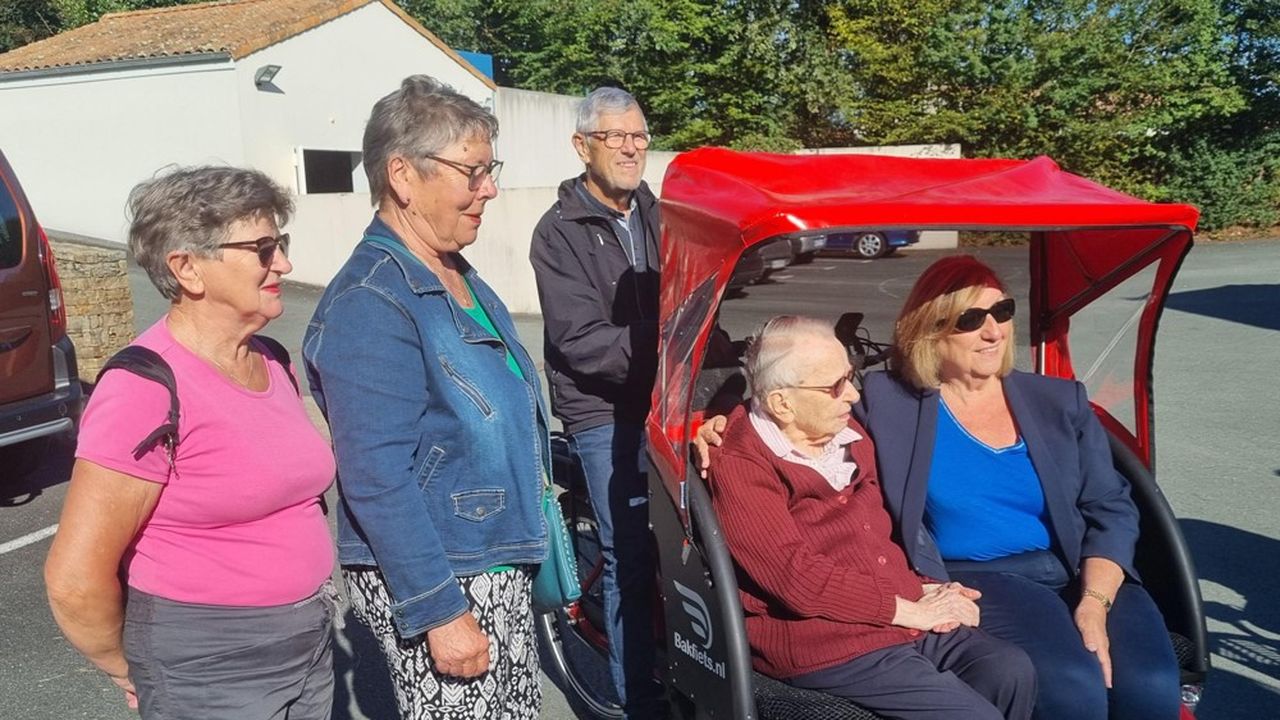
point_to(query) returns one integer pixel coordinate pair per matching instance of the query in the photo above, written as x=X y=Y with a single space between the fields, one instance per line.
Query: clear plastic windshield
x=1104 y=342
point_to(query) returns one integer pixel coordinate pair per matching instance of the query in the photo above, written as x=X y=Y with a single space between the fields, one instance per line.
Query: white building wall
x=534 y=138
x=329 y=79
x=80 y=142
x=324 y=230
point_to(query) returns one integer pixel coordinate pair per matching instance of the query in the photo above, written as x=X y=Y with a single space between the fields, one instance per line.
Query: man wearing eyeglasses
x=595 y=257
x=830 y=602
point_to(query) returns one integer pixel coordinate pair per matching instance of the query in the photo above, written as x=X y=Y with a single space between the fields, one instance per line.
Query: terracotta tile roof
x=234 y=27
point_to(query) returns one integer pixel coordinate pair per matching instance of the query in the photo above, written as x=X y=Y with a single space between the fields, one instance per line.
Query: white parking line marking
x=884 y=285
x=27 y=539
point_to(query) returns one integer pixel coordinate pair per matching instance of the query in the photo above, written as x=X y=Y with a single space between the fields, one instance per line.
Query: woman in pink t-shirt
x=219 y=545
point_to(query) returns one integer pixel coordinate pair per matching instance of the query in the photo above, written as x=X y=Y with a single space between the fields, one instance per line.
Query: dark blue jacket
x=1090 y=510
x=441 y=448
x=600 y=317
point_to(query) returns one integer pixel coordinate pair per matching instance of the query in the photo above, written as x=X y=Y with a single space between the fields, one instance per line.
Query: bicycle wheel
x=574 y=635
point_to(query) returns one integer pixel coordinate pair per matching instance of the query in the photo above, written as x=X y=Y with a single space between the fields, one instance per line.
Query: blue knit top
x=983 y=502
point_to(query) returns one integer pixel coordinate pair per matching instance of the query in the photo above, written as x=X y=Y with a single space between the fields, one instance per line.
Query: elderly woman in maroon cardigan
x=830 y=602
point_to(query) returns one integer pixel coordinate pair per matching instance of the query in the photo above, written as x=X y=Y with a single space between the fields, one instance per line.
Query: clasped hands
x=943 y=608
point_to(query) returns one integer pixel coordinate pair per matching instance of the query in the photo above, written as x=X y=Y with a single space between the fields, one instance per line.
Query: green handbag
x=556 y=584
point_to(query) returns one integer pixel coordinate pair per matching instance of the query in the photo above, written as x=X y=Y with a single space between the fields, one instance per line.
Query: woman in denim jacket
x=437 y=421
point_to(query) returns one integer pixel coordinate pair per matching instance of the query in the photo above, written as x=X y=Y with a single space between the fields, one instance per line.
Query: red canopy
x=1086 y=238
x=711 y=194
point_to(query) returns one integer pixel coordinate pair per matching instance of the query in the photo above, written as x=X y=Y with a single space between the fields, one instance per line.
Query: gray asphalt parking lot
x=1217 y=403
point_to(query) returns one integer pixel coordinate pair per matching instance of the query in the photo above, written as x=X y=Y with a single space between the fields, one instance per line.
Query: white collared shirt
x=835 y=464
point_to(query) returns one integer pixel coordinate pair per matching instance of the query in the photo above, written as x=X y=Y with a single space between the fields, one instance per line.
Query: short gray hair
x=423 y=117
x=771 y=360
x=603 y=100
x=192 y=209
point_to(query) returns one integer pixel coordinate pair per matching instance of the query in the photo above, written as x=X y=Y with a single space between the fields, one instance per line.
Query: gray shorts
x=215 y=662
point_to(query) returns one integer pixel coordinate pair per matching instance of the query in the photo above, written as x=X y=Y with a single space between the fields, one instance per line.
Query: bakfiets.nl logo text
x=700 y=620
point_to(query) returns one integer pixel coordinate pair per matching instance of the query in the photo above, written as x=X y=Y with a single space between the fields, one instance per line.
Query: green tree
x=706 y=71
x=1097 y=85
x=25 y=21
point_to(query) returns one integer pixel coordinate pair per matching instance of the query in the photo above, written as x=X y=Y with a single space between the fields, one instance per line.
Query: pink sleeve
x=123 y=409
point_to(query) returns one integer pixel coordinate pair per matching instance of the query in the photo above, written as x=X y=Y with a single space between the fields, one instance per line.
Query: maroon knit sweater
x=817 y=570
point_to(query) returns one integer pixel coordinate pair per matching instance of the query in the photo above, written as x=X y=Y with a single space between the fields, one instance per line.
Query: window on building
x=330 y=171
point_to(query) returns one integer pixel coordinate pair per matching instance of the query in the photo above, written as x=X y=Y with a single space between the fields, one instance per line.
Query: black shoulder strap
x=147 y=363
x=280 y=355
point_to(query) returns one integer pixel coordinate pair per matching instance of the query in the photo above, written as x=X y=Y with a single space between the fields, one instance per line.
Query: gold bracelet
x=1106 y=601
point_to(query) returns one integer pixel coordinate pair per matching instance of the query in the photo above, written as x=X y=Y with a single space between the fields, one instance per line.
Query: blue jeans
x=1028 y=600
x=610 y=457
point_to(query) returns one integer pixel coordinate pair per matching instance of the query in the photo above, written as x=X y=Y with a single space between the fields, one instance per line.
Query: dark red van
x=39 y=388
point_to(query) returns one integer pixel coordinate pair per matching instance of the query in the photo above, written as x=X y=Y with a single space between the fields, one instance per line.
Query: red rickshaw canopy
x=1085 y=239
x=711 y=193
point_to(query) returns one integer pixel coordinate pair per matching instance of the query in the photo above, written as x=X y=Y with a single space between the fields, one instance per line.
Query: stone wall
x=95 y=286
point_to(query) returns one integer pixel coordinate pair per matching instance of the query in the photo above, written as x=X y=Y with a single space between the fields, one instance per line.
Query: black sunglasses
x=264 y=246
x=475 y=173
x=834 y=389
x=973 y=318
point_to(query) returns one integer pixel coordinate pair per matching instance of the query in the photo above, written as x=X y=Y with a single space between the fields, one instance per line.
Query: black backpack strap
x=147 y=363
x=280 y=355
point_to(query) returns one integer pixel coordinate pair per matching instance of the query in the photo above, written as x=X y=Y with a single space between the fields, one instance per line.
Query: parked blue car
x=871 y=244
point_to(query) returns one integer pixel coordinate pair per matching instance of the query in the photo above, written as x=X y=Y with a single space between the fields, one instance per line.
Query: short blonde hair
x=945 y=289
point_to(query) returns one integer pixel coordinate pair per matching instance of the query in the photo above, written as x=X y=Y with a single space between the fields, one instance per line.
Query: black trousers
x=961 y=675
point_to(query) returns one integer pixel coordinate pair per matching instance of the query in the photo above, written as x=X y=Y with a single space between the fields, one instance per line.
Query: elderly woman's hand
x=967 y=592
x=459 y=647
x=1100 y=579
x=1091 y=621
x=710 y=433
x=943 y=608
x=125 y=684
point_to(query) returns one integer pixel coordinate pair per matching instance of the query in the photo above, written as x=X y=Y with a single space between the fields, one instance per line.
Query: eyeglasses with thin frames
x=974 y=318
x=265 y=247
x=475 y=173
x=614 y=139
x=834 y=389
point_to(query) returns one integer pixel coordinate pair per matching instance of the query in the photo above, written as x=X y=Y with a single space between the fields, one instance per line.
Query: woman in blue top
x=437 y=421
x=1003 y=481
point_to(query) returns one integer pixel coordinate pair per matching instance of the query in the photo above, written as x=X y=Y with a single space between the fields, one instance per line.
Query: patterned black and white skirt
x=502 y=604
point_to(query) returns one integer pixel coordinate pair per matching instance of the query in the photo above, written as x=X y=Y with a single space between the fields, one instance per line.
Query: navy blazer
x=1090 y=510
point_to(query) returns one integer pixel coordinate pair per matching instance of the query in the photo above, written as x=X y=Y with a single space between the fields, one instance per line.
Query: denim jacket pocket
x=429 y=465
x=479 y=505
x=467 y=388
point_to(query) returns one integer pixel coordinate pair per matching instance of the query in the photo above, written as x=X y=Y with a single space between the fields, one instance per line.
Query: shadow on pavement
x=362 y=684
x=1246 y=304
x=1242 y=562
x=33 y=466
